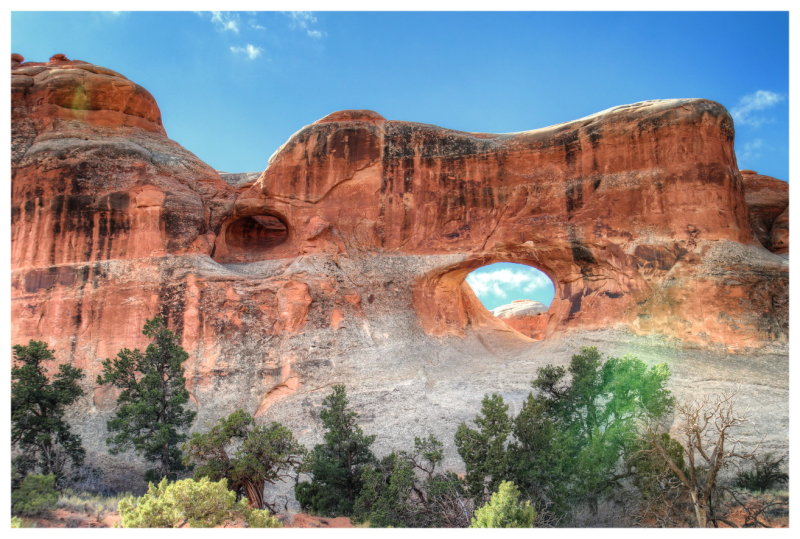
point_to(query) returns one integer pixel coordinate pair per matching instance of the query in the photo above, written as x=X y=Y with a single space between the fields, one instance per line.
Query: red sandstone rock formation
x=361 y=231
x=526 y=316
x=768 y=204
x=622 y=209
x=608 y=206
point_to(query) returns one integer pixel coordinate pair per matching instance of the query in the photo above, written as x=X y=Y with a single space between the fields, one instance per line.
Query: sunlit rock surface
x=344 y=261
x=527 y=316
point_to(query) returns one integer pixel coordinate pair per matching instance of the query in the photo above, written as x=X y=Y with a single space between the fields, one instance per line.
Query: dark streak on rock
x=172 y=302
x=574 y=193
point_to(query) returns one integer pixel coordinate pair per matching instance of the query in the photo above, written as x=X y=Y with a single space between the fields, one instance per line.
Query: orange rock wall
x=768 y=207
x=627 y=211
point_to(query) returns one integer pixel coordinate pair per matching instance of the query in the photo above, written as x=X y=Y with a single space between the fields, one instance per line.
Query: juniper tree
x=151 y=415
x=408 y=489
x=483 y=449
x=38 y=429
x=247 y=455
x=336 y=464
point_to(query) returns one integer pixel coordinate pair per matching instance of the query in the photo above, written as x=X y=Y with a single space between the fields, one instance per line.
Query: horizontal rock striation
x=344 y=261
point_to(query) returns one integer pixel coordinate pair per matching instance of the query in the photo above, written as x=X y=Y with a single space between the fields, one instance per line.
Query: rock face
x=768 y=206
x=344 y=261
x=526 y=316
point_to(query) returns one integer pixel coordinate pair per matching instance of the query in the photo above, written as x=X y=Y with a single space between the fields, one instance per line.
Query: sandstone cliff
x=344 y=261
x=768 y=207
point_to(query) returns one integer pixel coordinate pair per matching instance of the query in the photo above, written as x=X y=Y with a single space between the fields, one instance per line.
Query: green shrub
x=766 y=474
x=16 y=522
x=385 y=499
x=305 y=493
x=36 y=495
x=504 y=510
x=197 y=504
x=89 y=503
x=260 y=518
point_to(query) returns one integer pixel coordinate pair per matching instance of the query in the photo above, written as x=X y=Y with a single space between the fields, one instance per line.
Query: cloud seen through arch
x=502 y=283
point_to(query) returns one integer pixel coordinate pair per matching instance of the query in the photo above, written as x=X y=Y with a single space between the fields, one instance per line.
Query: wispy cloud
x=225 y=21
x=751 y=149
x=251 y=51
x=502 y=282
x=304 y=20
x=746 y=112
x=252 y=23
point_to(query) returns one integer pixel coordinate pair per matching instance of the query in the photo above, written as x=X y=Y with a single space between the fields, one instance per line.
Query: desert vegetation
x=151 y=414
x=592 y=442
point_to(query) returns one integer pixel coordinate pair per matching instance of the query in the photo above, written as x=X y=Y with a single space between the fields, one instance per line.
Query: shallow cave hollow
x=250 y=238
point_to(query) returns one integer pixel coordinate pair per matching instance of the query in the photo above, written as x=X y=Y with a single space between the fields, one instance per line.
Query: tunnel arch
x=447 y=305
x=597 y=286
x=518 y=295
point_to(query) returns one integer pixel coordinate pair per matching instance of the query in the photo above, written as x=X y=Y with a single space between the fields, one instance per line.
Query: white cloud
x=745 y=112
x=225 y=21
x=537 y=282
x=254 y=25
x=304 y=21
x=251 y=51
x=503 y=281
x=302 y=18
x=751 y=149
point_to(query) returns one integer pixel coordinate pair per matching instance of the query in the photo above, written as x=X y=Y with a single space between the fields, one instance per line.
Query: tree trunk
x=165 y=461
x=700 y=512
x=255 y=495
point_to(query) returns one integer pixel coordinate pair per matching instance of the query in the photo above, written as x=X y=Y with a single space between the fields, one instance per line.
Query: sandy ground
x=62 y=518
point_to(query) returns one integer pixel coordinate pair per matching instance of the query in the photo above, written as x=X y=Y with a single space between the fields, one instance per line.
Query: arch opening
x=517 y=294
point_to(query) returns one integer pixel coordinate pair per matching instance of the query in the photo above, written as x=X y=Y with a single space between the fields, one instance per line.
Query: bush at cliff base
x=193 y=504
x=35 y=495
x=504 y=510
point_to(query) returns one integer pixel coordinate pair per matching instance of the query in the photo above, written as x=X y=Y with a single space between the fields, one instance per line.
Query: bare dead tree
x=706 y=428
x=663 y=502
x=755 y=510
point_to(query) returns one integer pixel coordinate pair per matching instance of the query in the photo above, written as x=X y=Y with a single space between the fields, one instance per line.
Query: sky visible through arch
x=234 y=86
x=501 y=283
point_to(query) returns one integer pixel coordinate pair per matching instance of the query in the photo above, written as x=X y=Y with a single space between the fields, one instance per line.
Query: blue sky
x=502 y=283
x=233 y=87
